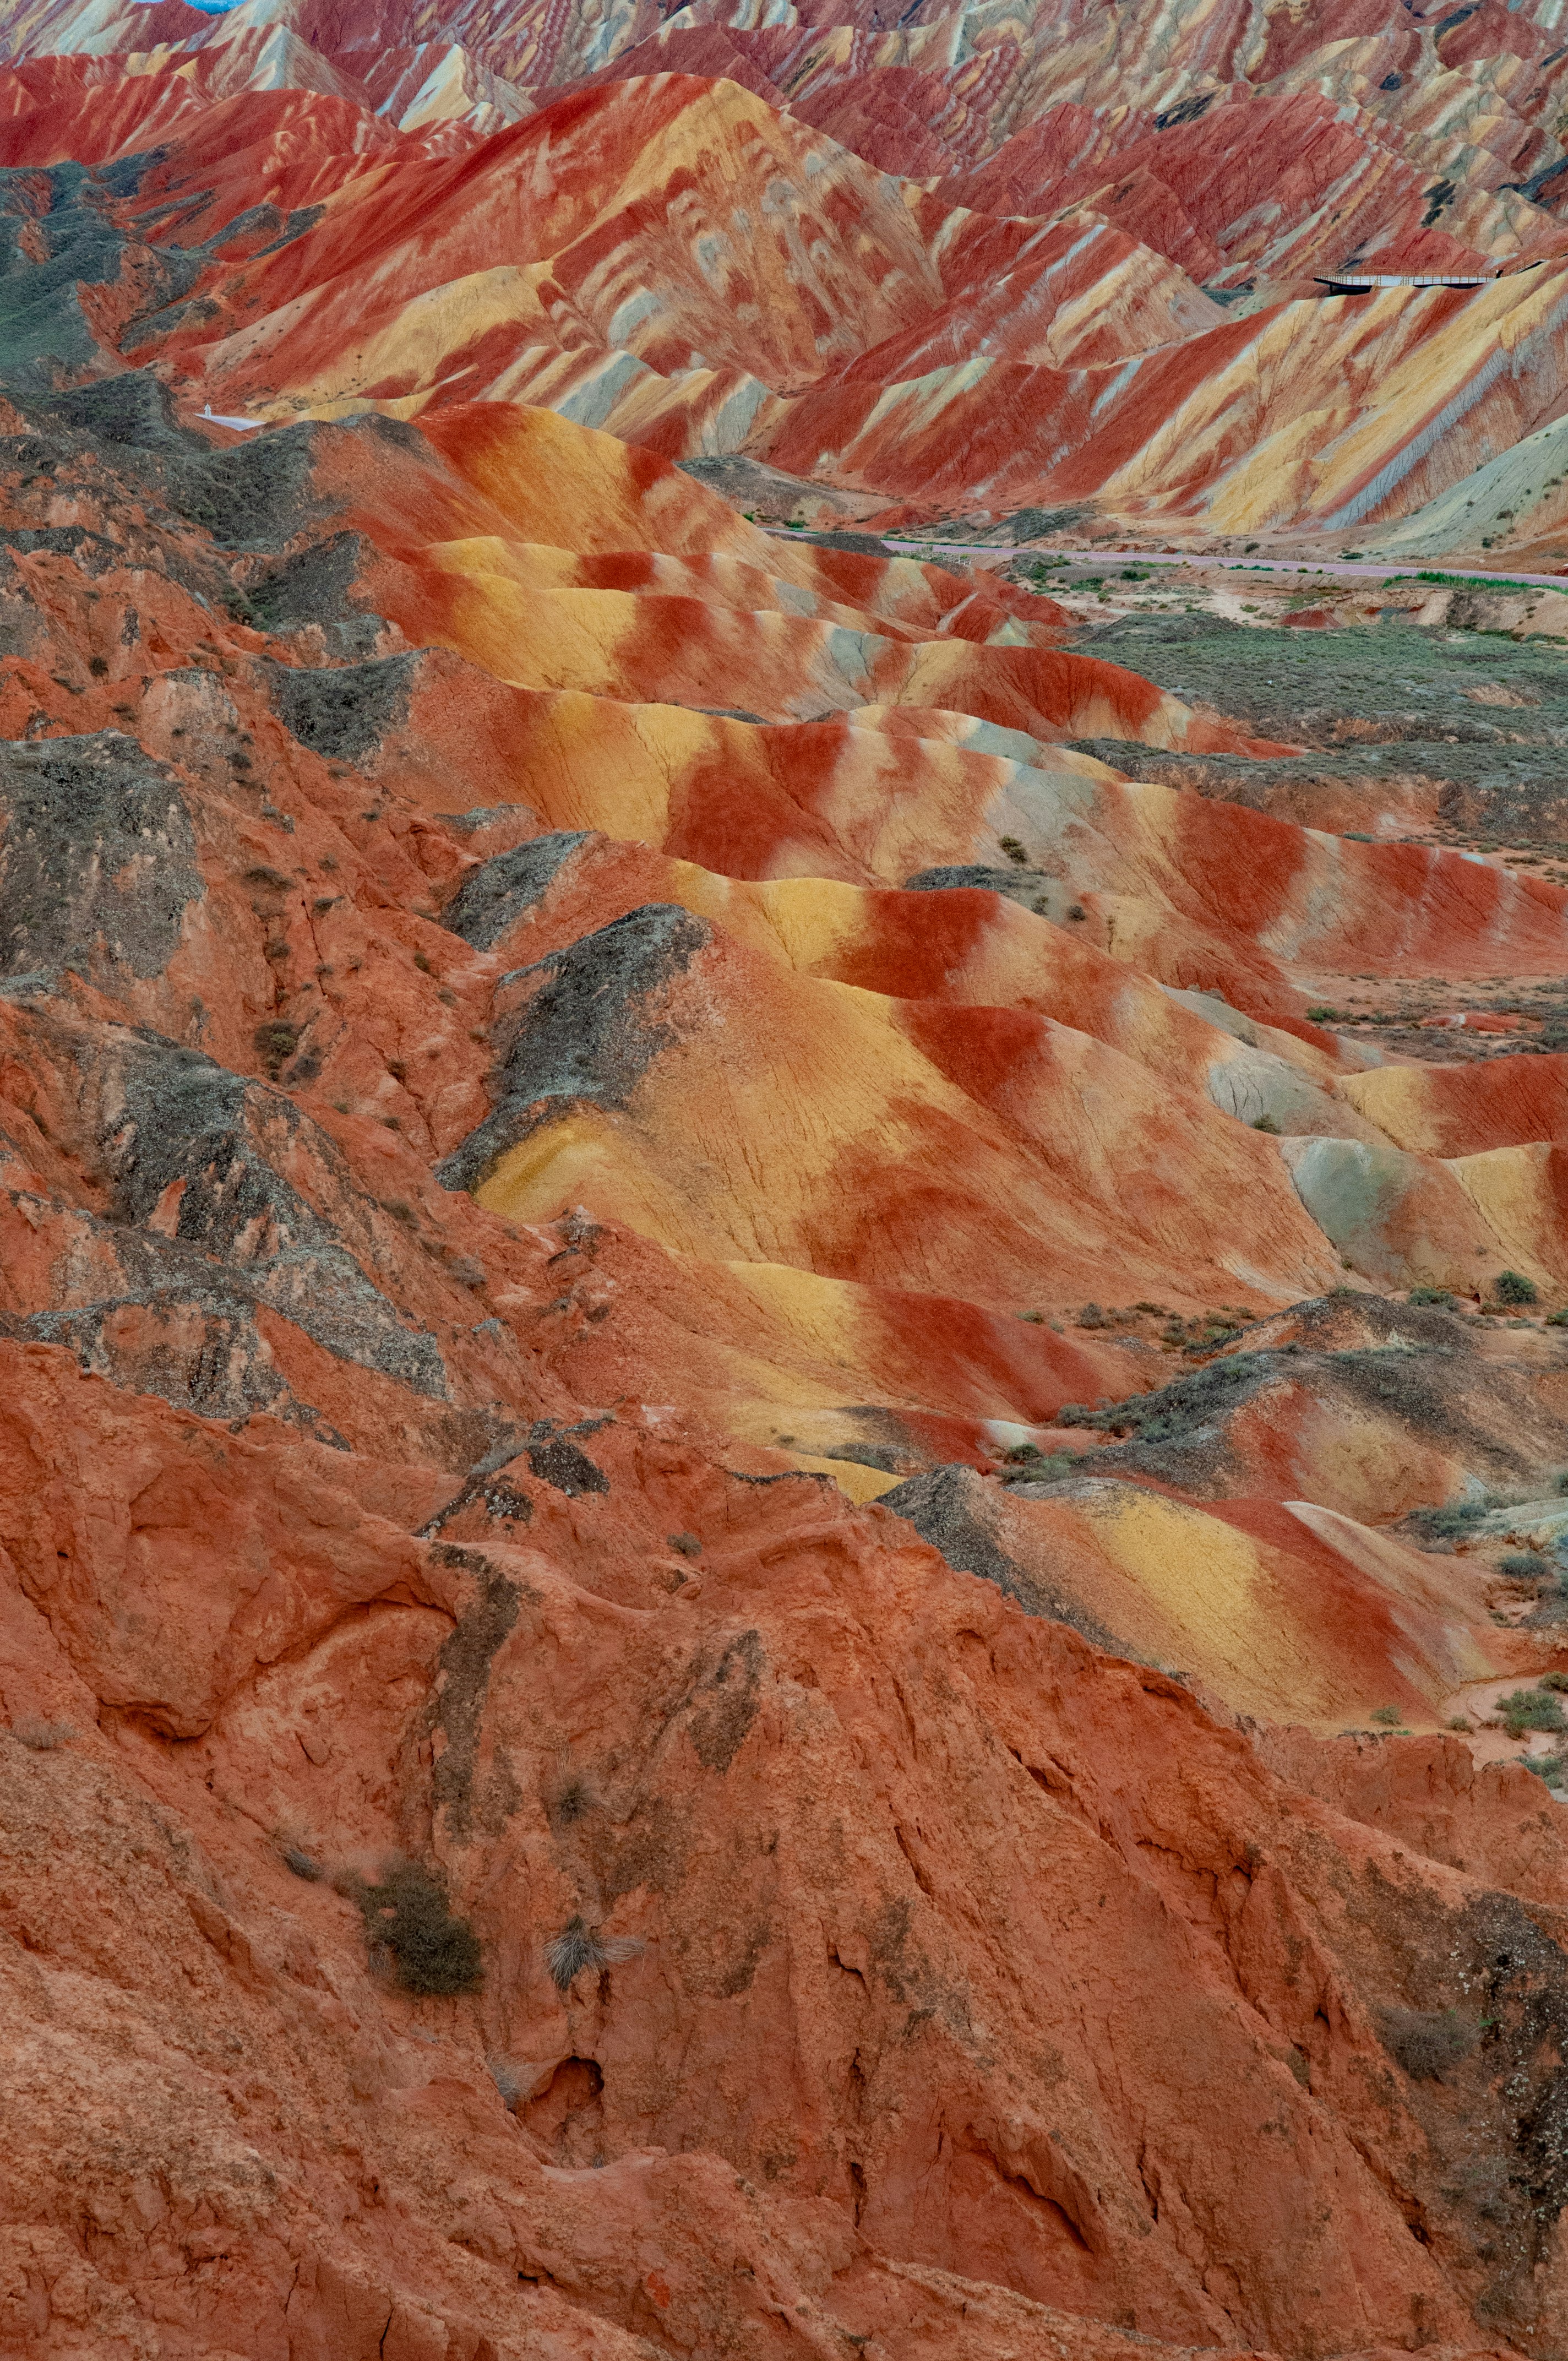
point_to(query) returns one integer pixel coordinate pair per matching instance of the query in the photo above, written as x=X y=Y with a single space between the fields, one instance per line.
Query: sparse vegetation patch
x=1428 y=2043
x=410 y=1924
x=1525 y=1709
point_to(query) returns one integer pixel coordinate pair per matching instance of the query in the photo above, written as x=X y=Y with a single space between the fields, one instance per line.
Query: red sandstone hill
x=1075 y=265
x=758 y=1537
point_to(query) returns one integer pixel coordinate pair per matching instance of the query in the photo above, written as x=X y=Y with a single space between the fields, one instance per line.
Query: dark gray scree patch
x=943 y=1507
x=177 y=1116
x=98 y=862
x=493 y=896
x=345 y=710
x=585 y=1034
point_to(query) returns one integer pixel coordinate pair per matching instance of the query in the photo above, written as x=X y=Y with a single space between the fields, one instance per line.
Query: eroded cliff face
x=554 y=1047
x=923 y=1943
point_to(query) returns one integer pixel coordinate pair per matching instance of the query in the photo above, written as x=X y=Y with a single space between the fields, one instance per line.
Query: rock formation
x=779 y=1551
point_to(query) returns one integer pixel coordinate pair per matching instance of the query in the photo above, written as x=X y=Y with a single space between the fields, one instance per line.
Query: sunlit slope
x=1131 y=878
x=611 y=219
x=703 y=999
x=690 y=263
x=1464 y=1110
x=1287 y=1610
x=476 y=543
x=744 y=1113
x=1322 y=413
x=669 y=1275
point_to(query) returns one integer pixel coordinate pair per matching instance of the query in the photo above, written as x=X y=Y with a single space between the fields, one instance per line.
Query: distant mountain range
x=974 y=262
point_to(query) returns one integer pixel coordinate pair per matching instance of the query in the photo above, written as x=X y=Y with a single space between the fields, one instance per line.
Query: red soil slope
x=628 y=1726
x=451 y=1243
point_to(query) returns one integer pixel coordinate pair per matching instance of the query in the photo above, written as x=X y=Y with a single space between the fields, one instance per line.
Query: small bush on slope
x=1427 y=2042
x=408 y=1915
x=1525 y=1709
x=579 y=1946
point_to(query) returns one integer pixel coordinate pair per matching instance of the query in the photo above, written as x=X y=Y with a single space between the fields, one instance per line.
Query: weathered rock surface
x=554 y=1047
x=827 y=1912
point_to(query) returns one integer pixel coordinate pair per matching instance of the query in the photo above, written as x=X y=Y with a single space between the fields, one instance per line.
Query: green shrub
x=1439 y=1299
x=1512 y=1287
x=1476 y=581
x=1176 y=1409
x=1028 y=1463
x=1265 y=1122
x=1524 y=1710
x=1446 y=1524
x=1389 y=1716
